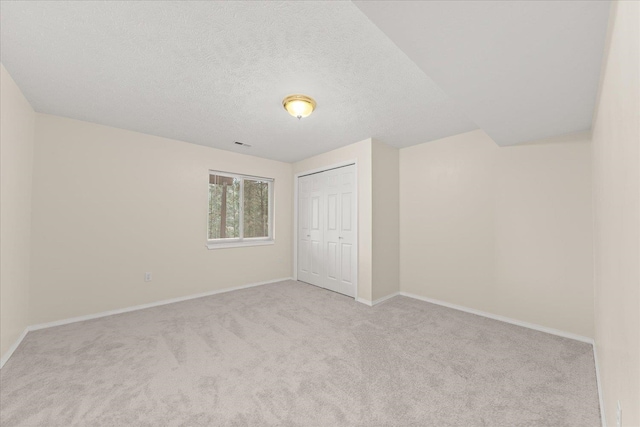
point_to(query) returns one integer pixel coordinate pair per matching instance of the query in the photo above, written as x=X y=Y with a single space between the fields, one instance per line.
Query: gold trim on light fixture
x=299 y=105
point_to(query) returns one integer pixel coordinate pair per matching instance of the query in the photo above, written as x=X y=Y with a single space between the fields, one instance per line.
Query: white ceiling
x=212 y=73
x=521 y=70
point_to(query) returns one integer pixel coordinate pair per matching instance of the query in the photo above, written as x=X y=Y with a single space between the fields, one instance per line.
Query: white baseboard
x=530 y=326
x=386 y=298
x=13 y=348
x=505 y=319
x=378 y=301
x=149 y=305
x=126 y=310
x=364 y=301
x=599 y=382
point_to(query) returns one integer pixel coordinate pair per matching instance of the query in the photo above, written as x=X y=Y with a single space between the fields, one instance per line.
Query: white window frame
x=235 y=242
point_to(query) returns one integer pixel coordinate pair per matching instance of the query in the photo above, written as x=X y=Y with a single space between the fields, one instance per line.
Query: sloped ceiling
x=212 y=73
x=521 y=70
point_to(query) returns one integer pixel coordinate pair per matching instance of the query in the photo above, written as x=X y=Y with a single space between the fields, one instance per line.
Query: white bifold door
x=326 y=230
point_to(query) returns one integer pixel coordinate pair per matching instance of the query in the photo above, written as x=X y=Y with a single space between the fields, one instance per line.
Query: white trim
x=271 y=209
x=13 y=348
x=353 y=162
x=383 y=299
x=326 y=168
x=149 y=305
x=295 y=228
x=238 y=175
x=364 y=301
x=378 y=301
x=599 y=382
x=239 y=244
x=356 y=226
x=505 y=319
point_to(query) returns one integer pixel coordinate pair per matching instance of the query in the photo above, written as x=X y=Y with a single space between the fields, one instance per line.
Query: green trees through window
x=227 y=194
x=256 y=208
x=224 y=207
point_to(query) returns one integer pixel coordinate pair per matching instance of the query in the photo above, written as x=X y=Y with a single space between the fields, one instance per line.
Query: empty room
x=320 y=213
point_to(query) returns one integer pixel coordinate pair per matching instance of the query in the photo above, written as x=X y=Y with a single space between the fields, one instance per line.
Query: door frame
x=353 y=162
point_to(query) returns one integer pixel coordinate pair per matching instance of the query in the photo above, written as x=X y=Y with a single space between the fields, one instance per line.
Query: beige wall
x=616 y=183
x=385 y=220
x=361 y=152
x=501 y=230
x=111 y=204
x=16 y=163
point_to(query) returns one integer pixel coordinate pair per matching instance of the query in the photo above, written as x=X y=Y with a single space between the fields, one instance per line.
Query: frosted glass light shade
x=299 y=105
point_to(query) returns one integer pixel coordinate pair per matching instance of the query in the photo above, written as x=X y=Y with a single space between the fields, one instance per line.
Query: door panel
x=303 y=261
x=332 y=212
x=345 y=264
x=303 y=218
x=315 y=213
x=346 y=212
x=347 y=235
x=332 y=261
x=315 y=238
x=332 y=230
x=303 y=242
x=316 y=258
x=303 y=229
x=317 y=223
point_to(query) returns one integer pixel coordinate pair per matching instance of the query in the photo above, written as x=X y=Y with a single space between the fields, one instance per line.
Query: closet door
x=326 y=230
x=310 y=259
x=339 y=231
x=304 y=229
x=316 y=232
x=347 y=238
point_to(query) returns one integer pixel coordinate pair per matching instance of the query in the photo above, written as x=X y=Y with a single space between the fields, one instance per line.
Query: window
x=240 y=210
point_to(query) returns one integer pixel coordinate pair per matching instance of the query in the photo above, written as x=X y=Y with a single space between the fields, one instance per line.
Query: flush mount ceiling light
x=299 y=105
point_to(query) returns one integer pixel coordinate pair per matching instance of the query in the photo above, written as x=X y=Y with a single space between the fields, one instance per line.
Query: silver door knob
x=340 y=238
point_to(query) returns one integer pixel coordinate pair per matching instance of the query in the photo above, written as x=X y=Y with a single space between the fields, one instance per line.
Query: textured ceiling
x=521 y=70
x=212 y=73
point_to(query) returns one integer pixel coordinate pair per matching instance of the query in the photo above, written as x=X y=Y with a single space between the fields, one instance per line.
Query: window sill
x=244 y=243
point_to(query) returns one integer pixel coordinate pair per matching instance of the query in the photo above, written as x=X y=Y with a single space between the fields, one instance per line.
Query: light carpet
x=291 y=354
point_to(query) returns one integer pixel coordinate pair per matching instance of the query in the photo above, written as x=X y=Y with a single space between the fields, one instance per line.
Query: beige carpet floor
x=291 y=354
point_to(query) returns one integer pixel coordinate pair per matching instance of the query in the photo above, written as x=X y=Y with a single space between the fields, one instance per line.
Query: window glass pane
x=224 y=207
x=256 y=208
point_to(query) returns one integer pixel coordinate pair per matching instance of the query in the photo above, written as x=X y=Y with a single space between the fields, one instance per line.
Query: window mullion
x=241 y=209
x=270 y=202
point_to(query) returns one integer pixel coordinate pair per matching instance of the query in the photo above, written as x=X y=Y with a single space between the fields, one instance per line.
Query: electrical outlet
x=147 y=276
x=619 y=415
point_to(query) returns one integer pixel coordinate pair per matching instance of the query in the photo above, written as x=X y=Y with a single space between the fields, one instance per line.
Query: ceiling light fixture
x=299 y=105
